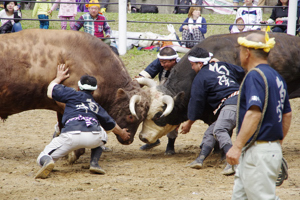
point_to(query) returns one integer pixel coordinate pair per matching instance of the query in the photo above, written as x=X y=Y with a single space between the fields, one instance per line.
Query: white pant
x=256 y=175
x=67 y=142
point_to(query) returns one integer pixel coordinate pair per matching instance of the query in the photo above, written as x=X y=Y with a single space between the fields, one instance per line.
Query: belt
x=88 y=120
x=264 y=142
x=222 y=101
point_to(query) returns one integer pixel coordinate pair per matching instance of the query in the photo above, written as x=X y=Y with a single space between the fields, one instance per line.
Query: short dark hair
x=199 y=52
x=260 y=53
x=7 y=2
x=167 y=51
x=89 y=80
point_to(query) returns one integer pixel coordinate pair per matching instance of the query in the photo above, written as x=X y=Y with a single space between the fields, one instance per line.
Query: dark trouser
x=44 y=24
x=279 y=29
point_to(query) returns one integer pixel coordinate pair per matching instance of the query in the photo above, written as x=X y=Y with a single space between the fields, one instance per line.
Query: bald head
x=252 y=50
x=256 y=37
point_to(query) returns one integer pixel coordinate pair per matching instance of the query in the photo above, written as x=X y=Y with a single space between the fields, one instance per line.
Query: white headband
x=86 y=86
x=167 y=57
x=203 y=60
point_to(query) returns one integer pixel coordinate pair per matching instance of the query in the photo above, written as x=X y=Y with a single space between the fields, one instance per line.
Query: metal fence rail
x=123 y=19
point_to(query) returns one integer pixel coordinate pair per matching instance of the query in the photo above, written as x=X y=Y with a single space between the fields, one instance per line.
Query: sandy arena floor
x=131 y=173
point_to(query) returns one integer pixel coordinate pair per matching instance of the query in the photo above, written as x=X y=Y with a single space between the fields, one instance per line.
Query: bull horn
x=167 y=99
x=134 y=99
x=146 y=81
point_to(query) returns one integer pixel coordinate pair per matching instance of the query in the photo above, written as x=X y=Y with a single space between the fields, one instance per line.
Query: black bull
x=284 y=57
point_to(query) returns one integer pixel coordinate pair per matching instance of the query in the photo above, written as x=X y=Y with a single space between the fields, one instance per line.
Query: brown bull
x=284 y=57
x=28 y=62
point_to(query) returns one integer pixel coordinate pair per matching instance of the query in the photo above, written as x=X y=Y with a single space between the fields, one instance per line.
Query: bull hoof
x=170 y=152
x=150 y=146
x=72 y=158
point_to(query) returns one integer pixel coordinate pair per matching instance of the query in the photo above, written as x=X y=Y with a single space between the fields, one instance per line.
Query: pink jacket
x=66 y=10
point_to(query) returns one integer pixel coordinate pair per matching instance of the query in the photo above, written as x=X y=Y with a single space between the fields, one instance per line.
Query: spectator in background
x=104 y=5
x=251 y=13
x=81 y=7
x=11 y=10
x=42 y=11
x=185 y=10
x=240 y=25
x=96 y=28
x=193 y=28
x=279 y=16
x=66 y=12
x=256 y=2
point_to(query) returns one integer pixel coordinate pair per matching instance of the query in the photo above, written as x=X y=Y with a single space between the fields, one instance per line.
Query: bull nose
x=143 y=139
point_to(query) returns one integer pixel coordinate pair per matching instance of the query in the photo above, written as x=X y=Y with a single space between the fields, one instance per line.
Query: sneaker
x=45 y=170
x=229 y=170
x=150 y=146
x=97 y=170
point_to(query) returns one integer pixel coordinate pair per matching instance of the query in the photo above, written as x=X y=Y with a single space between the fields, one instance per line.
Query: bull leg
x=94 y=165
x=58 y=126
x=170 y=150
x=74 y=155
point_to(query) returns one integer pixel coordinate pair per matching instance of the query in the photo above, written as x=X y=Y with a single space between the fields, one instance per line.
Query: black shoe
x=150 y=146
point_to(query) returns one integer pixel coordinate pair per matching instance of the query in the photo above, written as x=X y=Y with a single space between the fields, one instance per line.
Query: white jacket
x=253 y=15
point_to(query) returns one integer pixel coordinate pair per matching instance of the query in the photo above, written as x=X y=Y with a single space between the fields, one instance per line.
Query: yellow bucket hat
x=93 y=3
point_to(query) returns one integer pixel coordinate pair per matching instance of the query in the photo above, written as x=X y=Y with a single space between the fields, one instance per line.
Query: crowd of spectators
x=193 y=28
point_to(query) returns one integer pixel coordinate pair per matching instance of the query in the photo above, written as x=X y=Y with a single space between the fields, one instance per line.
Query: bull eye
x=159 y=121
x=130 y=118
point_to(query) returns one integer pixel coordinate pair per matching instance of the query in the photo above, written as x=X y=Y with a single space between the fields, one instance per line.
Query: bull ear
x=121 y=94
x=179 y=98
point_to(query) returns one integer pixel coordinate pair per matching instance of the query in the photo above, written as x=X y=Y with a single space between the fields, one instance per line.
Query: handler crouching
x=83 y=120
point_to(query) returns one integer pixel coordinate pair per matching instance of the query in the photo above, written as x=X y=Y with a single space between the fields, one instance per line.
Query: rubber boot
x=94 y=165
x=229 y=169
x=198 y=163
x=170 y=150
x=47 y=166
x=74 y=155
x=150 y=146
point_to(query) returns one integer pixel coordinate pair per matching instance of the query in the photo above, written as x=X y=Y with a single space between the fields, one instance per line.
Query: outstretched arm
x=121 y=132
x=61 y=75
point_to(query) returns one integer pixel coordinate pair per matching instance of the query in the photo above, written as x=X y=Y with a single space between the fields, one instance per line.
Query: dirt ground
x=130 y=172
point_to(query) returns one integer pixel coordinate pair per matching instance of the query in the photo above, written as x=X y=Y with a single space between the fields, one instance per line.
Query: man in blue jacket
x=167 y=58
x=216 y=84
x=84 y=123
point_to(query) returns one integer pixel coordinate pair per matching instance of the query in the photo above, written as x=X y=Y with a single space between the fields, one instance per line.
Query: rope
x=263 y=112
